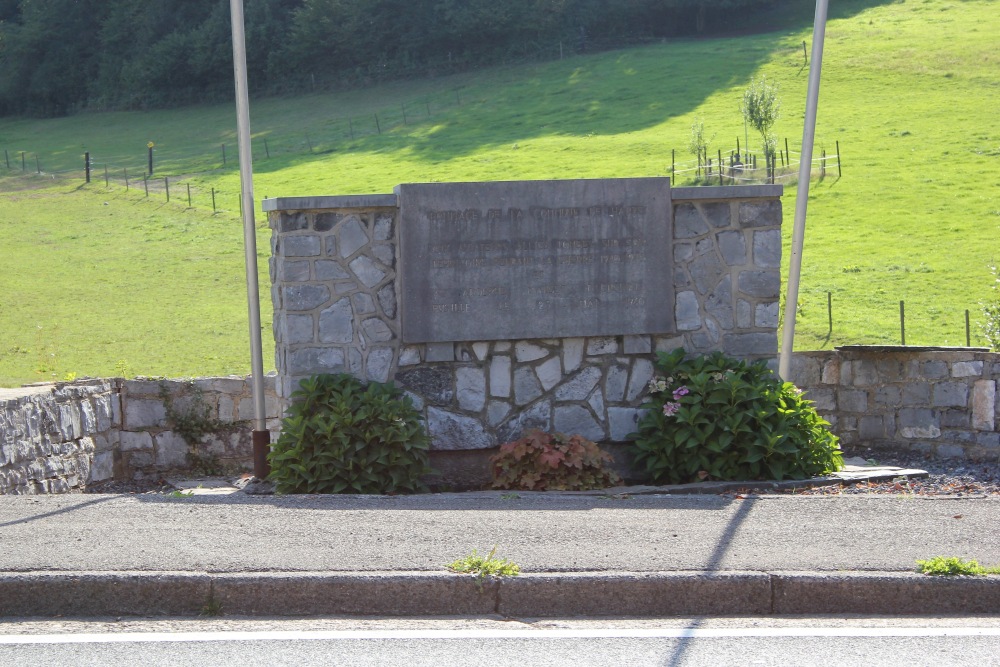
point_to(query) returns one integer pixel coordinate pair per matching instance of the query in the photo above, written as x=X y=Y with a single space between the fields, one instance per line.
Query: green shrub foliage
x=341 y=436
x=551 y=462
x=713 y=417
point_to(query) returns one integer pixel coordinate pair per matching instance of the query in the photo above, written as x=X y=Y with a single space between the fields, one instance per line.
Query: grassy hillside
x=911 y=91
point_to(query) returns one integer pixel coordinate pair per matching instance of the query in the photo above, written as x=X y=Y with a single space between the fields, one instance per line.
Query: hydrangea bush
x=715 y=417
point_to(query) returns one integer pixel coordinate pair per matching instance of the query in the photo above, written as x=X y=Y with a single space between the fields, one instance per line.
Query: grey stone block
x=526 y=385
x=450 y=431
x=683 y=252
x=324 y=222
x=596 y=403
x=345 y=287
x=719 y=303
x=706 y=271
x=688 y=223
x=526 y=351
x=367 y=271
x=327 y=269
x=965 y=369
x=378 y=364
x=717 y=213
x=954 y=419
x=601 y=346
x=623 y=421
x=766 y=315
x=615 y=383
x=102 y=468
x=864 y=373
x=984 y=405
x=577 y=420
x=130 y=441
x=950 y=451
x=750 y=344
x=915 y=394
x=760 y=213
x=497 y=412
x=919 y=423
x=934 y=370
x=383 y=228
x=763 y=284
x=686 y=312
x=733 y=246
x=294 y=272
x=950 y=394
x=889 y=395
x=823 y=399
x=385 y=253
x=304 y=297
x=363 y=303
x=890 y=370
x=376 y=331
x=312 y=360
x=500 y=383
x=572 y=353
x=292 y=222
x=352 y=236
x=409 y=356
x=537 y=416
x=642 y=373
x=871 y=427
x=302 y=246
x=439 y=352
x=767 y=248
x=578 y=387
x=744 y=314
x=171 y=451
x=852 y=400
x=433 y=383
x=298 y=329
x=336 y=323
x=355 y=362
x=549 y=372
x=637 y=344
x=140 y=414
x=470 y=387
x=387 y=300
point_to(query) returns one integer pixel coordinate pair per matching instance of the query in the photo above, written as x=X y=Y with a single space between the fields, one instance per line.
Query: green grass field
x=98 y=279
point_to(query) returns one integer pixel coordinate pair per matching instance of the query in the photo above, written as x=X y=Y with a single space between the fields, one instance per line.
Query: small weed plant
x=714 y=417
x=342 y=436
x=952 y=566
x=551 y=462
x=990 y=308
x=485 y=566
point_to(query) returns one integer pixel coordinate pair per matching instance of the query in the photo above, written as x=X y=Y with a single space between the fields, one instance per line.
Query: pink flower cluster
x=670 y=408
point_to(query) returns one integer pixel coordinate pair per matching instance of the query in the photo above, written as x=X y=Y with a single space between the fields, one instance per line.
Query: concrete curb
x=529 y=595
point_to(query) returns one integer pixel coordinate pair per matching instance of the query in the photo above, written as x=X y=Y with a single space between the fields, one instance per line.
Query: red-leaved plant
x=542 y=461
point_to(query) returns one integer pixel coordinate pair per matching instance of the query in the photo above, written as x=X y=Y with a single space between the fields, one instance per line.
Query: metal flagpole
x=261 y=436
x=802 y=197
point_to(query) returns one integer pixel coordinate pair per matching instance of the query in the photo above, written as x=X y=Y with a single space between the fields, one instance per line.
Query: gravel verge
x=946 y=477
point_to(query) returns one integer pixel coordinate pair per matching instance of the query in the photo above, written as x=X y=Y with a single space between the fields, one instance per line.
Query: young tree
x=761 y=109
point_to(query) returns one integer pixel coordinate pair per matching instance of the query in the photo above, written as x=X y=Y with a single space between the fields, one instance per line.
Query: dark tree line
x=61 y=56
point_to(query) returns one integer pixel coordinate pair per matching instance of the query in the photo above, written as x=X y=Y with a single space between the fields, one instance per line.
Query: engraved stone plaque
x=535 y=259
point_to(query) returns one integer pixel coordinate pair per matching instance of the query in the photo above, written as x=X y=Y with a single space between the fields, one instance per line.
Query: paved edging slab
x=535 y=594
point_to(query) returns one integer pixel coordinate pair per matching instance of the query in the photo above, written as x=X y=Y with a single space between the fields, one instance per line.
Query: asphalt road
x=444 y=643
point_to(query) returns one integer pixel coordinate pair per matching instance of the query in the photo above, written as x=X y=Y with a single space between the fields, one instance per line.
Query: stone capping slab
x=328 y=202
x=727 y=192
x=543 y=594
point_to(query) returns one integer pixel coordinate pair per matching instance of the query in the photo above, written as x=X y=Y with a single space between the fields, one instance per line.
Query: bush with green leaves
x=990 y=324
x=542 y=461
x=714 y=417
x=341 y=436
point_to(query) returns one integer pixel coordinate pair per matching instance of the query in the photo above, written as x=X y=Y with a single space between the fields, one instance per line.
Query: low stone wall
x=56 y=438
x=150 y=442
x=937 y=401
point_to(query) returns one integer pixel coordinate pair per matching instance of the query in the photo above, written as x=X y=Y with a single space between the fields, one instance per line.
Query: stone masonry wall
x=336 y=309
x=56 y=438
x=148 y=446
x=935 y=401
